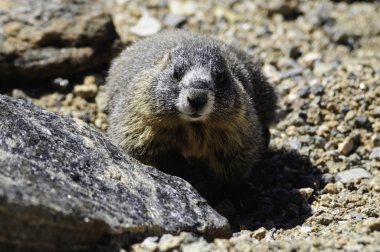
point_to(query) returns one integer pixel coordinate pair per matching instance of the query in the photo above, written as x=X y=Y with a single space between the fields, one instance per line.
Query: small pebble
x=317 y=89
x=331 y=188
x=361 y=121
x=332 y=145
x=354 y=158
x=295 y=52
x=101 y=100
x=306 y=192
x=321 y=69
x=89 y=80
x=86 y=91
x=294 y=143
x=174 y=21
x=319 y=141
x=376 y=112
x=151 y=239
x=339 y=186
x=375 y=153
x=303 y=92
x=327 y=178
x=166 y=237
x=346 y=147
x=311 y=56
x=352 y=174
x=259 y=234
x=324 y=219
x=373 y=224
x=323 y=129
x=61 y=84
x=305 y=229
x=291 y=72
x=375 y=184
x=146 y=26
x=345 y=108
x=376 y=140
x=350 y=115
x=19 y=94
x=183 y=8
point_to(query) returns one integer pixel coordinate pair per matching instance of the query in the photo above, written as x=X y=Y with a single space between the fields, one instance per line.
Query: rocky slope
x=319 y=187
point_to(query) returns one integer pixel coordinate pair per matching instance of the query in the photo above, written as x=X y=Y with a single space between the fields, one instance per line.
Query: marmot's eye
x=176 y=74
x=220 y=79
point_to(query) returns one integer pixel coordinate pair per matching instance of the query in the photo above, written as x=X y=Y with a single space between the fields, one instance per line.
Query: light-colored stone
x=86 y=91
x=352 y=174
x=259 y=234
x=373 y=224
x=183 y=8
x=306 y=192
x=375 y=153
x=146 y=26
x=306 y=229
x=346 y=147
x=375 y=184
x=89 y=80
x=331 y=188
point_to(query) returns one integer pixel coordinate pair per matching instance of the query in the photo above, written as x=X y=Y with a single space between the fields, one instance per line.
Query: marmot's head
x=195 y=83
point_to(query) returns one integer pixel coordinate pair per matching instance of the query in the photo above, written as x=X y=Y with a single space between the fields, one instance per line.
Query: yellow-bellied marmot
x=189 y=93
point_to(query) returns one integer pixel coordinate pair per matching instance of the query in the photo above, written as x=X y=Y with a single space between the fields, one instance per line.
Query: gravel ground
x=318 y=189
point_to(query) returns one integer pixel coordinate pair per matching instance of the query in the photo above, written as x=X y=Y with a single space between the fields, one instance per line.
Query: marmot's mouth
x=195 y=115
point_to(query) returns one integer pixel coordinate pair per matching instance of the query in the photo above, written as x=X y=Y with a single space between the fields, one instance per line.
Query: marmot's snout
x=196 y=97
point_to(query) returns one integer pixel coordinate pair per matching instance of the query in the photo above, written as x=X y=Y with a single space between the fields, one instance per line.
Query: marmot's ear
x=165 y=61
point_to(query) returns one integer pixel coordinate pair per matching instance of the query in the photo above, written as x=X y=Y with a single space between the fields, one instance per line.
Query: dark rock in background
x=63 y=186
x=42 y=39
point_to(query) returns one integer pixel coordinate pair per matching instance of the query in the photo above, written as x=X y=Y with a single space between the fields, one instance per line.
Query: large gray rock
x=42 y=38
x=64 y=186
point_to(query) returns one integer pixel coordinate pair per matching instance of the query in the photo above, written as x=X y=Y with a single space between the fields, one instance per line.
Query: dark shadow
x=64 y=85
x=270 y=198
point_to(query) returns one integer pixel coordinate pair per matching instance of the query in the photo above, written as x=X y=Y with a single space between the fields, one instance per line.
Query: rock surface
x=63 y=186
x=40 y=39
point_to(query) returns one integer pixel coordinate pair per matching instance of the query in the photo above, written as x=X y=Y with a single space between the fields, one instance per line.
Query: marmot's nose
x=197 y=98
